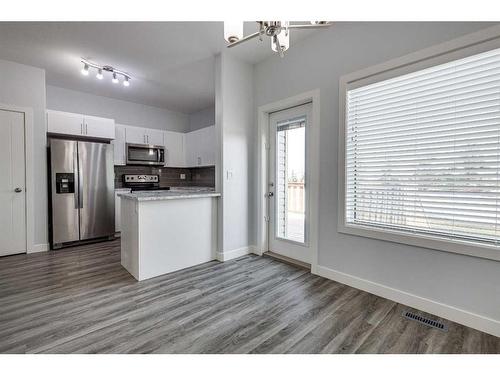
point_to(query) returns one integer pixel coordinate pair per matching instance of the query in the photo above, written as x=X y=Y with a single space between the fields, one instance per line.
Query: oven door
x=138 y=154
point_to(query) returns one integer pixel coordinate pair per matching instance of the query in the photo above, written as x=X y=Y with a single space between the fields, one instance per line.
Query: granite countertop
x=161 y=195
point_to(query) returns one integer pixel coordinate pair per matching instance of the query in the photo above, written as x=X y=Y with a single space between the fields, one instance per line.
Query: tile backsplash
x=199 y=176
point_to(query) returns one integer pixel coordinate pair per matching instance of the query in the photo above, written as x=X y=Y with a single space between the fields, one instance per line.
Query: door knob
x=270 y=194
x=18 y=190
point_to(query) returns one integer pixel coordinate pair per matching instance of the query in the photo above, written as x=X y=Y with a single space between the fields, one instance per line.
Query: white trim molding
x=29 y=171
x=236 y=253
x=467 y=45
x=262 y=168
x=467 y=318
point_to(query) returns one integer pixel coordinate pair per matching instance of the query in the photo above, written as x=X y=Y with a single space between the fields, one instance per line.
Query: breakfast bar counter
x=165 y=231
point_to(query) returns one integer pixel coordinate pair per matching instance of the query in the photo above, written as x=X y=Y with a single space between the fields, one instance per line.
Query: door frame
x=28 y=170
x=263 y=144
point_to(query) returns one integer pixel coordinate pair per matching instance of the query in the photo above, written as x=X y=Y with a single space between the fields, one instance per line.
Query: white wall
x=202 y=119
x=464 y=282
x=235 y=130
x=24 y=86
x=123 y=112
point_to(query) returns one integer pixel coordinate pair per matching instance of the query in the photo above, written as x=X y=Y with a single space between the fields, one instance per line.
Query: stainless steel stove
x=143 y=182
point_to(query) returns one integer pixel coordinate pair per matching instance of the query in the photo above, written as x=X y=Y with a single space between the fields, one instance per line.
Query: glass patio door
x=288 y=183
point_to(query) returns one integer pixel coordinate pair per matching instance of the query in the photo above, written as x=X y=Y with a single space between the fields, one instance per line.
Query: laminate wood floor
x=80 y=300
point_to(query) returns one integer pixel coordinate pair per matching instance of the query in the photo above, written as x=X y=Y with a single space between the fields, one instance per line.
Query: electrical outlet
x=183 y=176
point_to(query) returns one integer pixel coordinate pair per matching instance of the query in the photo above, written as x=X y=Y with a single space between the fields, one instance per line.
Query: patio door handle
x=270 y=194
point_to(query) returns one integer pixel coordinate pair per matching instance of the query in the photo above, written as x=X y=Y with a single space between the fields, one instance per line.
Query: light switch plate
x=183 y=176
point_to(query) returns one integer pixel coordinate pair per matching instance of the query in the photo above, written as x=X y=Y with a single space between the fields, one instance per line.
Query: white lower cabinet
x=118 y=207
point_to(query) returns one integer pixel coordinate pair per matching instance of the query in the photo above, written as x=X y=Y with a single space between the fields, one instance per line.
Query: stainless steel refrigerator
x=82 y=191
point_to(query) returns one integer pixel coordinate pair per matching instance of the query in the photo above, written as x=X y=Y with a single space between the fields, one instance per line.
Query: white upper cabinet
x=155 y=137
x=119 y=145
x=134 y=134
x=200 y=147
x=99 y=127
x=64 y=123
x=182 y=150
x=175 y=149
x=80 y=125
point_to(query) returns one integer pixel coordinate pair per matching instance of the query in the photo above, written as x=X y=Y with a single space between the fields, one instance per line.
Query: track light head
x=126 y=82
x=115 y=79
x=99 y=74
x=85 y=70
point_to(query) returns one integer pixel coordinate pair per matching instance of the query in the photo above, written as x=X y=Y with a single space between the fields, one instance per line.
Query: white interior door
x=12 y=183
x=288 y=229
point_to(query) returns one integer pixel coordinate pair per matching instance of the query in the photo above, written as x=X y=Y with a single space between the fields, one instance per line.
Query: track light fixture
x=105 y=68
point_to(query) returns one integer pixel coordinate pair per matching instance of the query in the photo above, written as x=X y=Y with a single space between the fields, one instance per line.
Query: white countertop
x=167 y=194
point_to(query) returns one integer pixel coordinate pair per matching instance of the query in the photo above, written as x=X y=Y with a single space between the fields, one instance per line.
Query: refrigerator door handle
x=80 y=178
x=75 y=171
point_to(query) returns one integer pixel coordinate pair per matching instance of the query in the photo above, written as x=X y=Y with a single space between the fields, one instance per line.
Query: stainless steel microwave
x=141 y=154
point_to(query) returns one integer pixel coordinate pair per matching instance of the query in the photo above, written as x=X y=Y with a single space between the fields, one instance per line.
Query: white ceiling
x=172 y=63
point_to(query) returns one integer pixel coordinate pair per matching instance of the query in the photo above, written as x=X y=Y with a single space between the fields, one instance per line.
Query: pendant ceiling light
x=277 y=31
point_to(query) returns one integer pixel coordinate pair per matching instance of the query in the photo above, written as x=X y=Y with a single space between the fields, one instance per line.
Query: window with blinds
x=423 y=152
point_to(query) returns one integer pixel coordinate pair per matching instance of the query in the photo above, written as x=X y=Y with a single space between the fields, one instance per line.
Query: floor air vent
x=426 y=321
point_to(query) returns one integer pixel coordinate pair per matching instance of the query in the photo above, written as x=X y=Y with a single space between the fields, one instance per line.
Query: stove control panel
x=140 y=178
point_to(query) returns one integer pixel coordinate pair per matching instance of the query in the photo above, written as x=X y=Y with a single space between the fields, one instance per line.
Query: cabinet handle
x=86 y=129
x=81 y=128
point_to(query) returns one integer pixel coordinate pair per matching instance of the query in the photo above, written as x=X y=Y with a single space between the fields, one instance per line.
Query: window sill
x=429 y=242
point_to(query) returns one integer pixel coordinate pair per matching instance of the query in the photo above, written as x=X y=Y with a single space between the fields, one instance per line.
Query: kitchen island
x=165 y=231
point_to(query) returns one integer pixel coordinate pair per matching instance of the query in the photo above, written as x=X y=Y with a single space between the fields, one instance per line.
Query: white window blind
x=423 y=152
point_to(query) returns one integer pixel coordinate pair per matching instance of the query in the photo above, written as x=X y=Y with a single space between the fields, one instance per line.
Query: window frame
x=462 y=47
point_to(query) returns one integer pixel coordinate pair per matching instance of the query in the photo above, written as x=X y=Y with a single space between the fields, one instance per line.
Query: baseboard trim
x=38 y=248
x=452 y=313
x=224 y=256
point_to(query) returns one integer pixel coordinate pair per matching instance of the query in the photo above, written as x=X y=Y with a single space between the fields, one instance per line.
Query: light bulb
x=99 y=74
x=126 y=82
x=233 y=31
x=283 y=38
x=85 y=70
x=114 y=80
